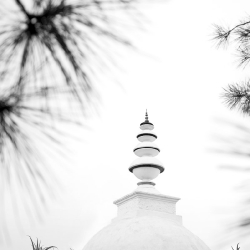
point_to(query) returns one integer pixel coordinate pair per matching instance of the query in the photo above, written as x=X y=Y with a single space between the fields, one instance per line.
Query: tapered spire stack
x=146 y=167
x=146 y=219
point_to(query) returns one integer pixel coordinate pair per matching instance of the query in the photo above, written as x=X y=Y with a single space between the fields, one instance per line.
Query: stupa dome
x=145 y=233
x=146 y=219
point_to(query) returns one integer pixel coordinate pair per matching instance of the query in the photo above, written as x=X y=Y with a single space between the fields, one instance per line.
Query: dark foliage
x=28 y=138
x=50 y=54
x=54 y=42
x=23 y=127
x=236 y=95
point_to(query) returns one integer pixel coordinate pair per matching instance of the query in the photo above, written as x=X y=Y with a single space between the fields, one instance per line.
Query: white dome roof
x=145 y=233
x=146 y=220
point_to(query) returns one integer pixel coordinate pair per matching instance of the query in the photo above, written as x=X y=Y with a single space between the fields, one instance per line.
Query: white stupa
x=146 y=219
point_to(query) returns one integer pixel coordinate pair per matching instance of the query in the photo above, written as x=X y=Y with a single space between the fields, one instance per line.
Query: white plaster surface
x=146 y=160
x=139 y=200
x=140 y=203
x=145 y=233
x=146 y=173
x=146 y=137
x=147 y=127
x=146 y=221
x=146 y=148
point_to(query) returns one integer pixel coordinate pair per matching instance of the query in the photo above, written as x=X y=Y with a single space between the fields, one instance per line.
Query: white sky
x=180 y=83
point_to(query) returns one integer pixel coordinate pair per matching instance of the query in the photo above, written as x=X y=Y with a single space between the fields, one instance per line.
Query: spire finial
x=146 y=167
x=146 y=116
x=146 y=124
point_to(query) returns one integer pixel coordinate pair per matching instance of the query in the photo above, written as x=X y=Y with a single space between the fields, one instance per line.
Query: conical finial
x=146 y=116
x=146 y=124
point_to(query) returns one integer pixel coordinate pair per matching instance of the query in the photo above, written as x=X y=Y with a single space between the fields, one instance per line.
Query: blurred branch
x=59 y=37
x=50 y=53
x=235 y=144
x=27 y=136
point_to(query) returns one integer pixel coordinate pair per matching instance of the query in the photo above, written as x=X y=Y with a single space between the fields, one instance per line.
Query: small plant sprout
x=37 y=245
x=237 y=247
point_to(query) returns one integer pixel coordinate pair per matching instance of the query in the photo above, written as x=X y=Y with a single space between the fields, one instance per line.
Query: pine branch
x=62 y=37
x=222 y=34
x=21 y=6
x=238 y=96
x=29 y=135
x=243 y=55
x=50 y=54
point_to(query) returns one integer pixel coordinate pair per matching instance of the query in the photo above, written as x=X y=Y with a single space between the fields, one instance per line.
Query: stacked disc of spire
x=146 y=167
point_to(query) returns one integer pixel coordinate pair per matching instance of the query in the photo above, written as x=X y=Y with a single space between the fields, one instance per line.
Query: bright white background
x=179 y=80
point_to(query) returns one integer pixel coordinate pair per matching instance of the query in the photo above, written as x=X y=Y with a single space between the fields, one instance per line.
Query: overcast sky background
x=179 y=79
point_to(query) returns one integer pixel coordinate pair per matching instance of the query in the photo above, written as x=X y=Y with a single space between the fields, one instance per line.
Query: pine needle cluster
x=236 y=95
x=50 y=54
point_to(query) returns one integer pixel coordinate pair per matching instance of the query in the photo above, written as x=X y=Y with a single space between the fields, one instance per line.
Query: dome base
x=146 y=200
x=145 y=233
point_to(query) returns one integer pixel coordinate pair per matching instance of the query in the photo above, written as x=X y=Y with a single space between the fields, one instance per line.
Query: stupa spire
x=146 y=167
x=146 y=116
x=145 y=218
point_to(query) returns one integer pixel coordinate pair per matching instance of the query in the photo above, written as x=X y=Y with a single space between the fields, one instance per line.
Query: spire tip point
x=146 y=115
